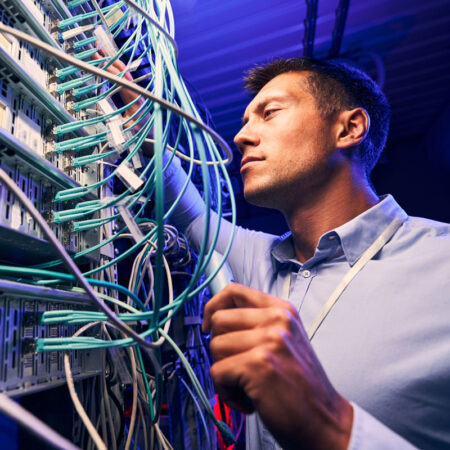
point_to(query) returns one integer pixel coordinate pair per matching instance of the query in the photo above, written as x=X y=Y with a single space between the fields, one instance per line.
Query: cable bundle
x=131 y=146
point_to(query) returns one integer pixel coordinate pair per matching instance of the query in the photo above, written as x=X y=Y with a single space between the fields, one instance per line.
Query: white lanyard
x=376 y=246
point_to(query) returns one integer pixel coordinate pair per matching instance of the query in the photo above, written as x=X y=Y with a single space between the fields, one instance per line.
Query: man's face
x=287 y=148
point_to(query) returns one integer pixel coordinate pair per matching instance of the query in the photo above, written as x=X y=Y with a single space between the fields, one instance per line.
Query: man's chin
x=262 y=198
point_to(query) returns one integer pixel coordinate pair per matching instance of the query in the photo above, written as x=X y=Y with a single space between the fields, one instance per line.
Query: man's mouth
x=248 y=160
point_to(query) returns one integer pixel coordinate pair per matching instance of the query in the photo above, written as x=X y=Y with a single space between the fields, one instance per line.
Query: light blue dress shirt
x=385 y=344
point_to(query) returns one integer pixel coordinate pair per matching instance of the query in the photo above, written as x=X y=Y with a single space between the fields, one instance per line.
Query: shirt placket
x=300 y=282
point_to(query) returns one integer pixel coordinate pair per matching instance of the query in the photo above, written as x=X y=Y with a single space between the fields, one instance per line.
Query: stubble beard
x=282 y=191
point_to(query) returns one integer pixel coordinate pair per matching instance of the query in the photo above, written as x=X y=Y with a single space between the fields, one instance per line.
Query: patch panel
x=29 y=119
x=41 y=193
x=27 y=125
x=64 y=144
x=30 y=15
x=28 y=57
x=6 y=96
x=21 y=369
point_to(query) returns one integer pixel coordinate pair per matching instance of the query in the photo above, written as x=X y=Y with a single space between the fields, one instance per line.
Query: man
x=366 y=283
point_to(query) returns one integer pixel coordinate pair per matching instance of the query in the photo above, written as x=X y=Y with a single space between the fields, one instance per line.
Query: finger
x=236 y=295
x=116 y=67
x=236 y=342
x=241 y=372
x=100 y=50
x=236 y=398
x=228 y=320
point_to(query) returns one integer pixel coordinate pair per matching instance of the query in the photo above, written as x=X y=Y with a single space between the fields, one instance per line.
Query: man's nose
x=246 y=137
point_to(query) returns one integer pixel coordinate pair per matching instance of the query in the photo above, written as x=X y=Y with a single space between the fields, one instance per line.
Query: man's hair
x=336 y=87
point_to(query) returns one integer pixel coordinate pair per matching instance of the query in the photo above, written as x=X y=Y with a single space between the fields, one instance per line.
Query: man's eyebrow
x=262 y=104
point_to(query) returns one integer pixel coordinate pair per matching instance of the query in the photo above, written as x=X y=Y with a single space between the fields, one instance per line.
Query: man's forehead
x=282 y=87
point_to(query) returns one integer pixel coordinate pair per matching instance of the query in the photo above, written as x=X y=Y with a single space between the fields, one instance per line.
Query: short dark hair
x=336 y=87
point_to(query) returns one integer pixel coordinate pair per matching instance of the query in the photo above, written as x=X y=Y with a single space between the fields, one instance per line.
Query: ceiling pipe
x=310 y=27
x=339 y=26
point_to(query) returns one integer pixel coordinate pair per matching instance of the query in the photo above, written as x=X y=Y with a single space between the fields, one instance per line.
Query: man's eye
x=268 y=112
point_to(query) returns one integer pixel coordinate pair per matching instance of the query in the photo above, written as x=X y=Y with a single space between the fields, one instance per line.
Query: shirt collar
x=355 y=236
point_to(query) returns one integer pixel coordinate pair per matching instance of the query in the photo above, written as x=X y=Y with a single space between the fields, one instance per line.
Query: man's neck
x=337 y=203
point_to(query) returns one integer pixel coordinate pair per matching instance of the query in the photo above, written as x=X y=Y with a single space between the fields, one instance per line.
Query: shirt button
x=306 y=274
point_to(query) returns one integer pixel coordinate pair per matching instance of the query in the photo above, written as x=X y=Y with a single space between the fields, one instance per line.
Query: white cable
x=69 y=34
x=27 y=420
x=187 y=158
x=132 y=356
x=161 y=339
x=102 y=420
x=76 y=401
x=106 y=399
x=162 y=439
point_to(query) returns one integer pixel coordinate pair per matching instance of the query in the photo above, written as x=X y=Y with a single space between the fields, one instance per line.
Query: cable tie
x=134 y=65
x=115 y=137
x=108 y=199
x=114 y=16
x=105 y=42
x=133 y=227
x=106 y=106
x=128 y=177
x=192 y=320
x=137 y=160
x=70 y=34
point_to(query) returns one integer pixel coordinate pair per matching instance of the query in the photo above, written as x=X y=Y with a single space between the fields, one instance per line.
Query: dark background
x=404 y=46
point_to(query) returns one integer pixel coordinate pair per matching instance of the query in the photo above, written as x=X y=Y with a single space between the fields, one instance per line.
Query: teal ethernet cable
x=124 y=83
x=157 y=166
x=65 y=23
x=169 y=36
x=200 y=412
x=70 y=265
x=71 y=278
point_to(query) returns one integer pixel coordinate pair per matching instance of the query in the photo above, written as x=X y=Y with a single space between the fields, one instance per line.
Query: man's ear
x=352 y=127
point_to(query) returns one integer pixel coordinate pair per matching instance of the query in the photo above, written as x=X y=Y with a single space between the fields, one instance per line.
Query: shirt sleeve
x=189 y=216
x=370 y=434
x=190 y=205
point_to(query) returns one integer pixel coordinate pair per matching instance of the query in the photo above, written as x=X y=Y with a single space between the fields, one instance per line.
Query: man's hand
x=264 y=362
x=128 y=97
x=115 y=68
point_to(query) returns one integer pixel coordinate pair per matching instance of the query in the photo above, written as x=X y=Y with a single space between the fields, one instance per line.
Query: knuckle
x=275 y=336
x=216 y=318
x=282 y=317
x=214 y=346
x=261 y=359
x=214 y=371
x=206 y=309
x=231 y=288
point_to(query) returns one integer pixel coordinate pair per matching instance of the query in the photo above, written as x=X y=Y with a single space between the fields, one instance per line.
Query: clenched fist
x=264 y=362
